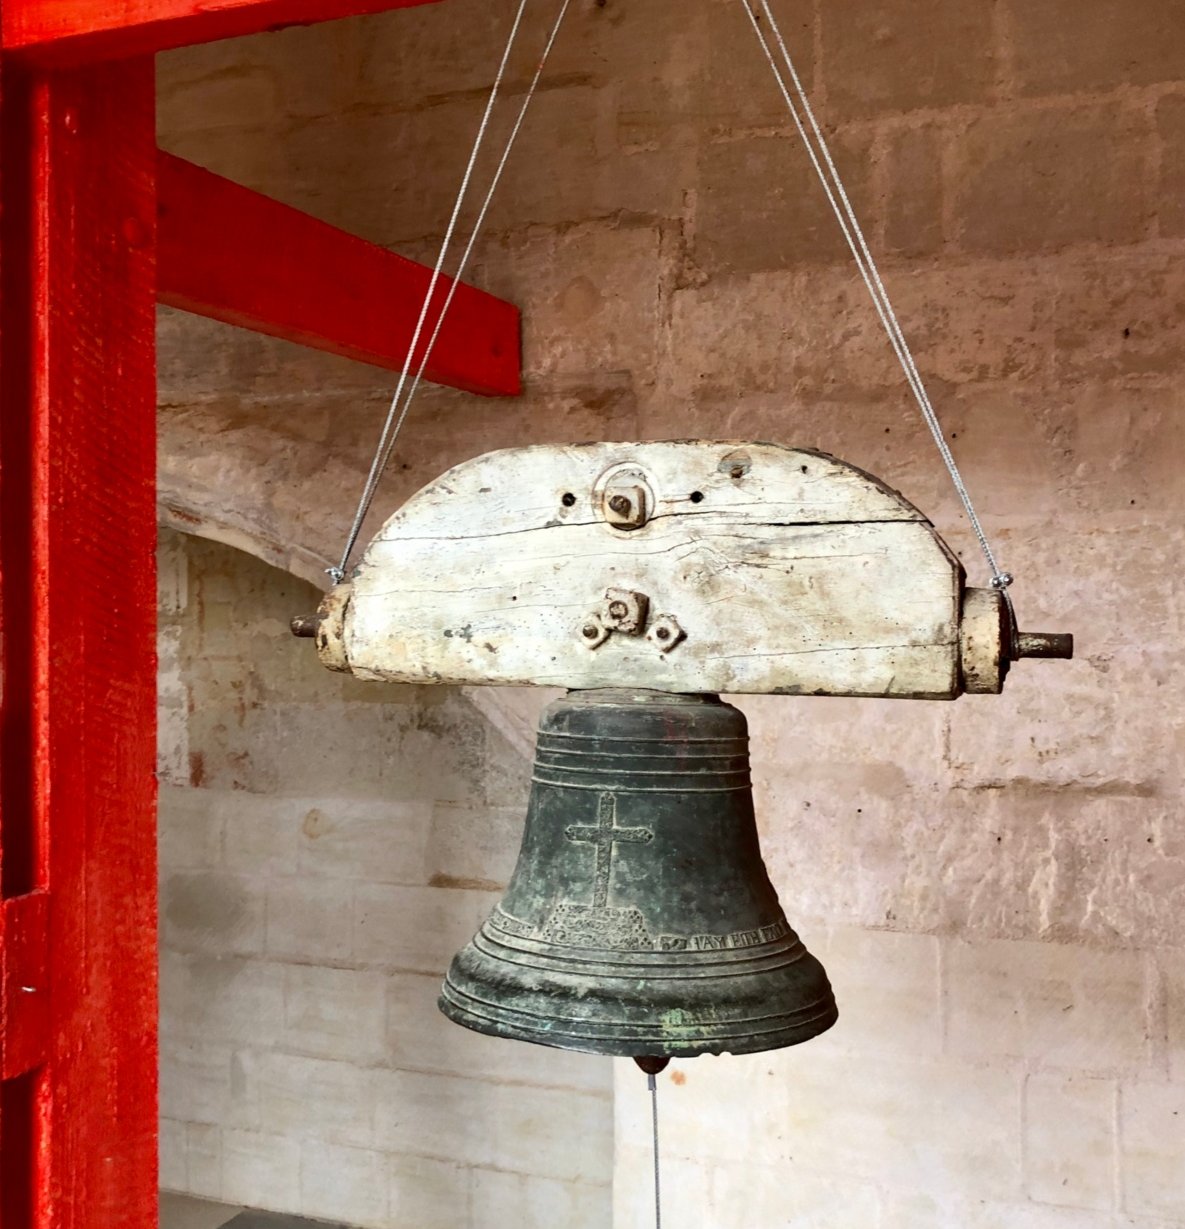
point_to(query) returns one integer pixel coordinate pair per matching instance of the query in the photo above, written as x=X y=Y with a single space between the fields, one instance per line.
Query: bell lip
x=690 y=1047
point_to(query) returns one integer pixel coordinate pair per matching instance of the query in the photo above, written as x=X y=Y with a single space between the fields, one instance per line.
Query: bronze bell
x=640 y=920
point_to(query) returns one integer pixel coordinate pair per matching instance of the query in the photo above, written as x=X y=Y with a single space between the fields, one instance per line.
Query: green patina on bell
x=640 y=919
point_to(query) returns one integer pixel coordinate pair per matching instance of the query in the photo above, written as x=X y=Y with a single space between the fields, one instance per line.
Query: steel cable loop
x=401 y=403
x=845 y=214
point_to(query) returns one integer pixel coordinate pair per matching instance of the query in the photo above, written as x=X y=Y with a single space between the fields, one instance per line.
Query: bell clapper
x=652 y=1065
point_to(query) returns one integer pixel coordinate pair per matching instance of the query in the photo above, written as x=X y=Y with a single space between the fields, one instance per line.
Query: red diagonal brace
x=77 y=31
x=233 y=254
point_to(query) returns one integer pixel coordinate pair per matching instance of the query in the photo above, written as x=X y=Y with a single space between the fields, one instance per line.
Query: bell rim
x=638 y=1040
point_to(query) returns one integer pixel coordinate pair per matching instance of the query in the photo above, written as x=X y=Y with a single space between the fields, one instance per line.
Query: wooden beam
x=237 y=256
x=78 y=605
x=78 y=31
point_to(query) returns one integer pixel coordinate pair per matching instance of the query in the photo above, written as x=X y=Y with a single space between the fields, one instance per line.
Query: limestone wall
x=326 y=847
x=997 y=885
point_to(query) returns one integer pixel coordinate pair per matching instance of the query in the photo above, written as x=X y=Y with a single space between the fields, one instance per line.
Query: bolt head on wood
x=666 y=633
x=626 y=505
x=626 y=611
x=594 y=633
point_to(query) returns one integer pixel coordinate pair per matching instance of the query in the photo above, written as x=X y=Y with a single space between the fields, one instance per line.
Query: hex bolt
x=666 y=633
x=593 y=632
x=625 y=611
x=626 y=507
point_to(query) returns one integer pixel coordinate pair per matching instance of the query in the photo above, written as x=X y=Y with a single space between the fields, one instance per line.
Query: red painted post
x=78 y=958
x=77 y=548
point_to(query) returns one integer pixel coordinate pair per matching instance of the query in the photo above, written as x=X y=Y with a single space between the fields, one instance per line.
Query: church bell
x=640 y=920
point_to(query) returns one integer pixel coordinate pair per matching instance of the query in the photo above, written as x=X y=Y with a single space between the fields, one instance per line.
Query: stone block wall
x=326 y=847
x=996 y=885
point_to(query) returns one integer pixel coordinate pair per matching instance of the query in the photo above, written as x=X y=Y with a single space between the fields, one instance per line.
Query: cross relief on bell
x=669 y=939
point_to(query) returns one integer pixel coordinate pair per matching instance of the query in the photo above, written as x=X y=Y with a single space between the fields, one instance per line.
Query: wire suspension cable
x=652 y=1084
x=476 y=229
x=841 y=205
x=376 y=466
x=401 y=401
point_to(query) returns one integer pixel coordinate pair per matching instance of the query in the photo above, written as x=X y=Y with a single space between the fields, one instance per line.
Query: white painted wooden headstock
x=687 y=566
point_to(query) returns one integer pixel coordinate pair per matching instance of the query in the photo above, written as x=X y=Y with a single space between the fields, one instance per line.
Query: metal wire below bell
x=640 y=919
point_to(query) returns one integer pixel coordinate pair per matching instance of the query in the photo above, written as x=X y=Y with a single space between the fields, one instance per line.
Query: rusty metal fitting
x=666 y=633
x=626 y=611
x=304 y=627
x=1053 y=645
x=626 y=506
x=593 y=633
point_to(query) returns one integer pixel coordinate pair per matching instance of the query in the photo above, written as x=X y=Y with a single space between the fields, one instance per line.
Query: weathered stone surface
x=541 y=1203
x=1069 y=1141
x=1172 y=974
x=434 y=1194
x=926 y=1212
x=349 y=1182
x=739 y=230
x=1170 y=127
x=893 y=55
x=815 y=336
x=915 y=204
x=1059 y=46
x=1151 y=1128
x=872 y=1131
x=1067 y=1008
x=1040 y=180
x=448 y=1116
x=592 y=314
x=1119 y=319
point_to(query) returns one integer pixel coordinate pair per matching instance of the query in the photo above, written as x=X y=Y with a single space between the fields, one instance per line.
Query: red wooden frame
x=230 y=253
x=79 y=525
x=76 y=31
x=78 y=283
